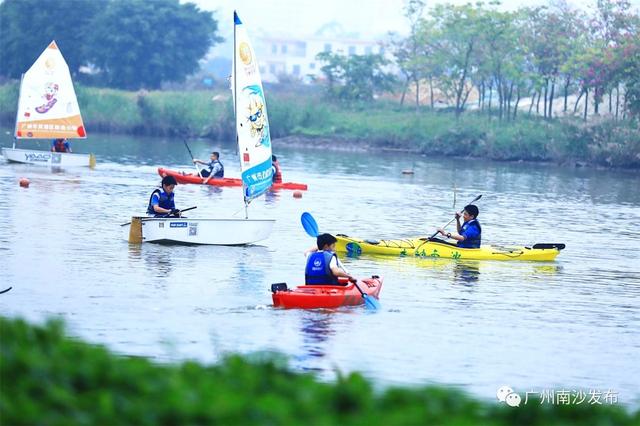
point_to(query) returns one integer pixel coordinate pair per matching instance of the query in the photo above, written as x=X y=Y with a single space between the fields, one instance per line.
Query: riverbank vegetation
x=540 y=53
x=548 y=83
x=379 y=125
x=48 y=378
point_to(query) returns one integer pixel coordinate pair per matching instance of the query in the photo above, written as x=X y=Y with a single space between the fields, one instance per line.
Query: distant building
x=296 y=57
x=284 y=56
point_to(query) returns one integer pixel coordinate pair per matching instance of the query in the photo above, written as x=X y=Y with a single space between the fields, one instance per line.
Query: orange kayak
x=325 y=296
x=183 y=178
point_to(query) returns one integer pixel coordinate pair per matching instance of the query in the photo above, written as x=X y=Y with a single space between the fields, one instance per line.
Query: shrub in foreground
x=47 y=378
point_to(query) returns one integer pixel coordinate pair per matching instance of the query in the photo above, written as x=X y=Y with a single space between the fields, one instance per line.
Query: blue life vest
x=471 y=242
x=165 y=201
x=219 y=173
x=318 y=271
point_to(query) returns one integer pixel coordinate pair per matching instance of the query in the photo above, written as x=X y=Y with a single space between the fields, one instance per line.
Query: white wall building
x=297 y=57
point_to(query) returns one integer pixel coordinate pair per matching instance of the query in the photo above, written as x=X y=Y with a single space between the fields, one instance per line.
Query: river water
x=572 y=324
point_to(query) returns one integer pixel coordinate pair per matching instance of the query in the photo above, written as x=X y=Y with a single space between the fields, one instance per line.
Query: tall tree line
x=128 y=44
x=543 y=53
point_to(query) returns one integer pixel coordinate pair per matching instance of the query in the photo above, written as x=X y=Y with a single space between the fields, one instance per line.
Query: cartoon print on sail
x=257 y=115
x=50 y=93
x=48 y=109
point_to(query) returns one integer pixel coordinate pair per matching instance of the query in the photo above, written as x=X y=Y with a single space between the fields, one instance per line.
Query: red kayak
x=325 y=296
x=183 y=178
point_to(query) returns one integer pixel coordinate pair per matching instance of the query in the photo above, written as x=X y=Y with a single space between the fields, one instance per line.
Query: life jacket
x=166 y=201
x=318 y=270
x=473 y=242
x=219 y=173
x=60 y=146
x=277 y=174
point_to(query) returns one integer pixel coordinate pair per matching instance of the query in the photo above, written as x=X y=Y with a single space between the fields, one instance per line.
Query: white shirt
x=214 y=167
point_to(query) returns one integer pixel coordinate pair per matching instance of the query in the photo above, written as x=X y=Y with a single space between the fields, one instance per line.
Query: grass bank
x=47 y=378
x=379 y=124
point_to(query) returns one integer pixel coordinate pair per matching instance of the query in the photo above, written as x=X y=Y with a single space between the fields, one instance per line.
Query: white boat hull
x=228 y=232
x=47 y=158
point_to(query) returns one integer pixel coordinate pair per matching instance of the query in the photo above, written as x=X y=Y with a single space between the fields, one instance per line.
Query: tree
x=28 y=26
x=139 y=44
x=454 y=39
x=628 y=59
x=575 y=40
x=499 y=57
x=408 y=52
x=546 y=37
x=613 y=24
x=355 y=77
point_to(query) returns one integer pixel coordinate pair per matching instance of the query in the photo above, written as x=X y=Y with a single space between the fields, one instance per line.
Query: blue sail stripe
x=257 y=180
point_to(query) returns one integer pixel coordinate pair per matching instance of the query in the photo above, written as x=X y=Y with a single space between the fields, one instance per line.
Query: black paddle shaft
x=192 y=158
x=188 y=149
x=364 y=295
x=182 y=211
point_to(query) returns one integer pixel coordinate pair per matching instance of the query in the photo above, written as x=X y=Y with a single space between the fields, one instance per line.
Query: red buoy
x=297 y=194
x=24 y=182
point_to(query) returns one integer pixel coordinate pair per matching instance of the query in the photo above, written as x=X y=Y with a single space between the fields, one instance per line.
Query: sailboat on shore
x=254 y=148
x=48 y=109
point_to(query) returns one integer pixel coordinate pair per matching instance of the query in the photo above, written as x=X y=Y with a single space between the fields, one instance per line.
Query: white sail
x=252 y=124
x=254 y=145
x=48 y=107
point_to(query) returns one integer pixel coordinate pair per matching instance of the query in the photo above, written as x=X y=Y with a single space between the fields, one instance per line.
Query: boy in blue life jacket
x=161 y=202
x=323 y=265
x=469 y=234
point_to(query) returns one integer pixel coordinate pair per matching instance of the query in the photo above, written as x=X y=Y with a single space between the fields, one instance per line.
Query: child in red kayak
x=323 y=265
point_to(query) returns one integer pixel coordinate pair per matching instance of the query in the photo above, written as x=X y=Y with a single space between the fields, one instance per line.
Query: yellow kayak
x=423 y=247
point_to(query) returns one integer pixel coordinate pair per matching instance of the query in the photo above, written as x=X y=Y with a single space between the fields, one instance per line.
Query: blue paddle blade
x=309 y=224
x=371 y=302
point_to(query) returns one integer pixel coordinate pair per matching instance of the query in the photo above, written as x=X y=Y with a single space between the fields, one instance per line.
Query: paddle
x=461 y=212
x=369 y=302
x=311 y=227
x=6 y=290
x=309 y=224
x=144 y=219
x=192 y=159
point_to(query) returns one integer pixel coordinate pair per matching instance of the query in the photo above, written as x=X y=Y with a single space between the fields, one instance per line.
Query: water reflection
x=158 y=263
x=249 y=271
x=546 y=269
x=214 y=189
x=135 y=251
x=250 y=267
x=466 y=272
x=316 y=328
x=271 y=197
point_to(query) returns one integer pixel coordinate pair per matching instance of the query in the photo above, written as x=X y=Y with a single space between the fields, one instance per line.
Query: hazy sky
x=304 y=17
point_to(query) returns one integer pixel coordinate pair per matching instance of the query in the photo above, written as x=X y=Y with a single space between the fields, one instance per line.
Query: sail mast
x=15 y=130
